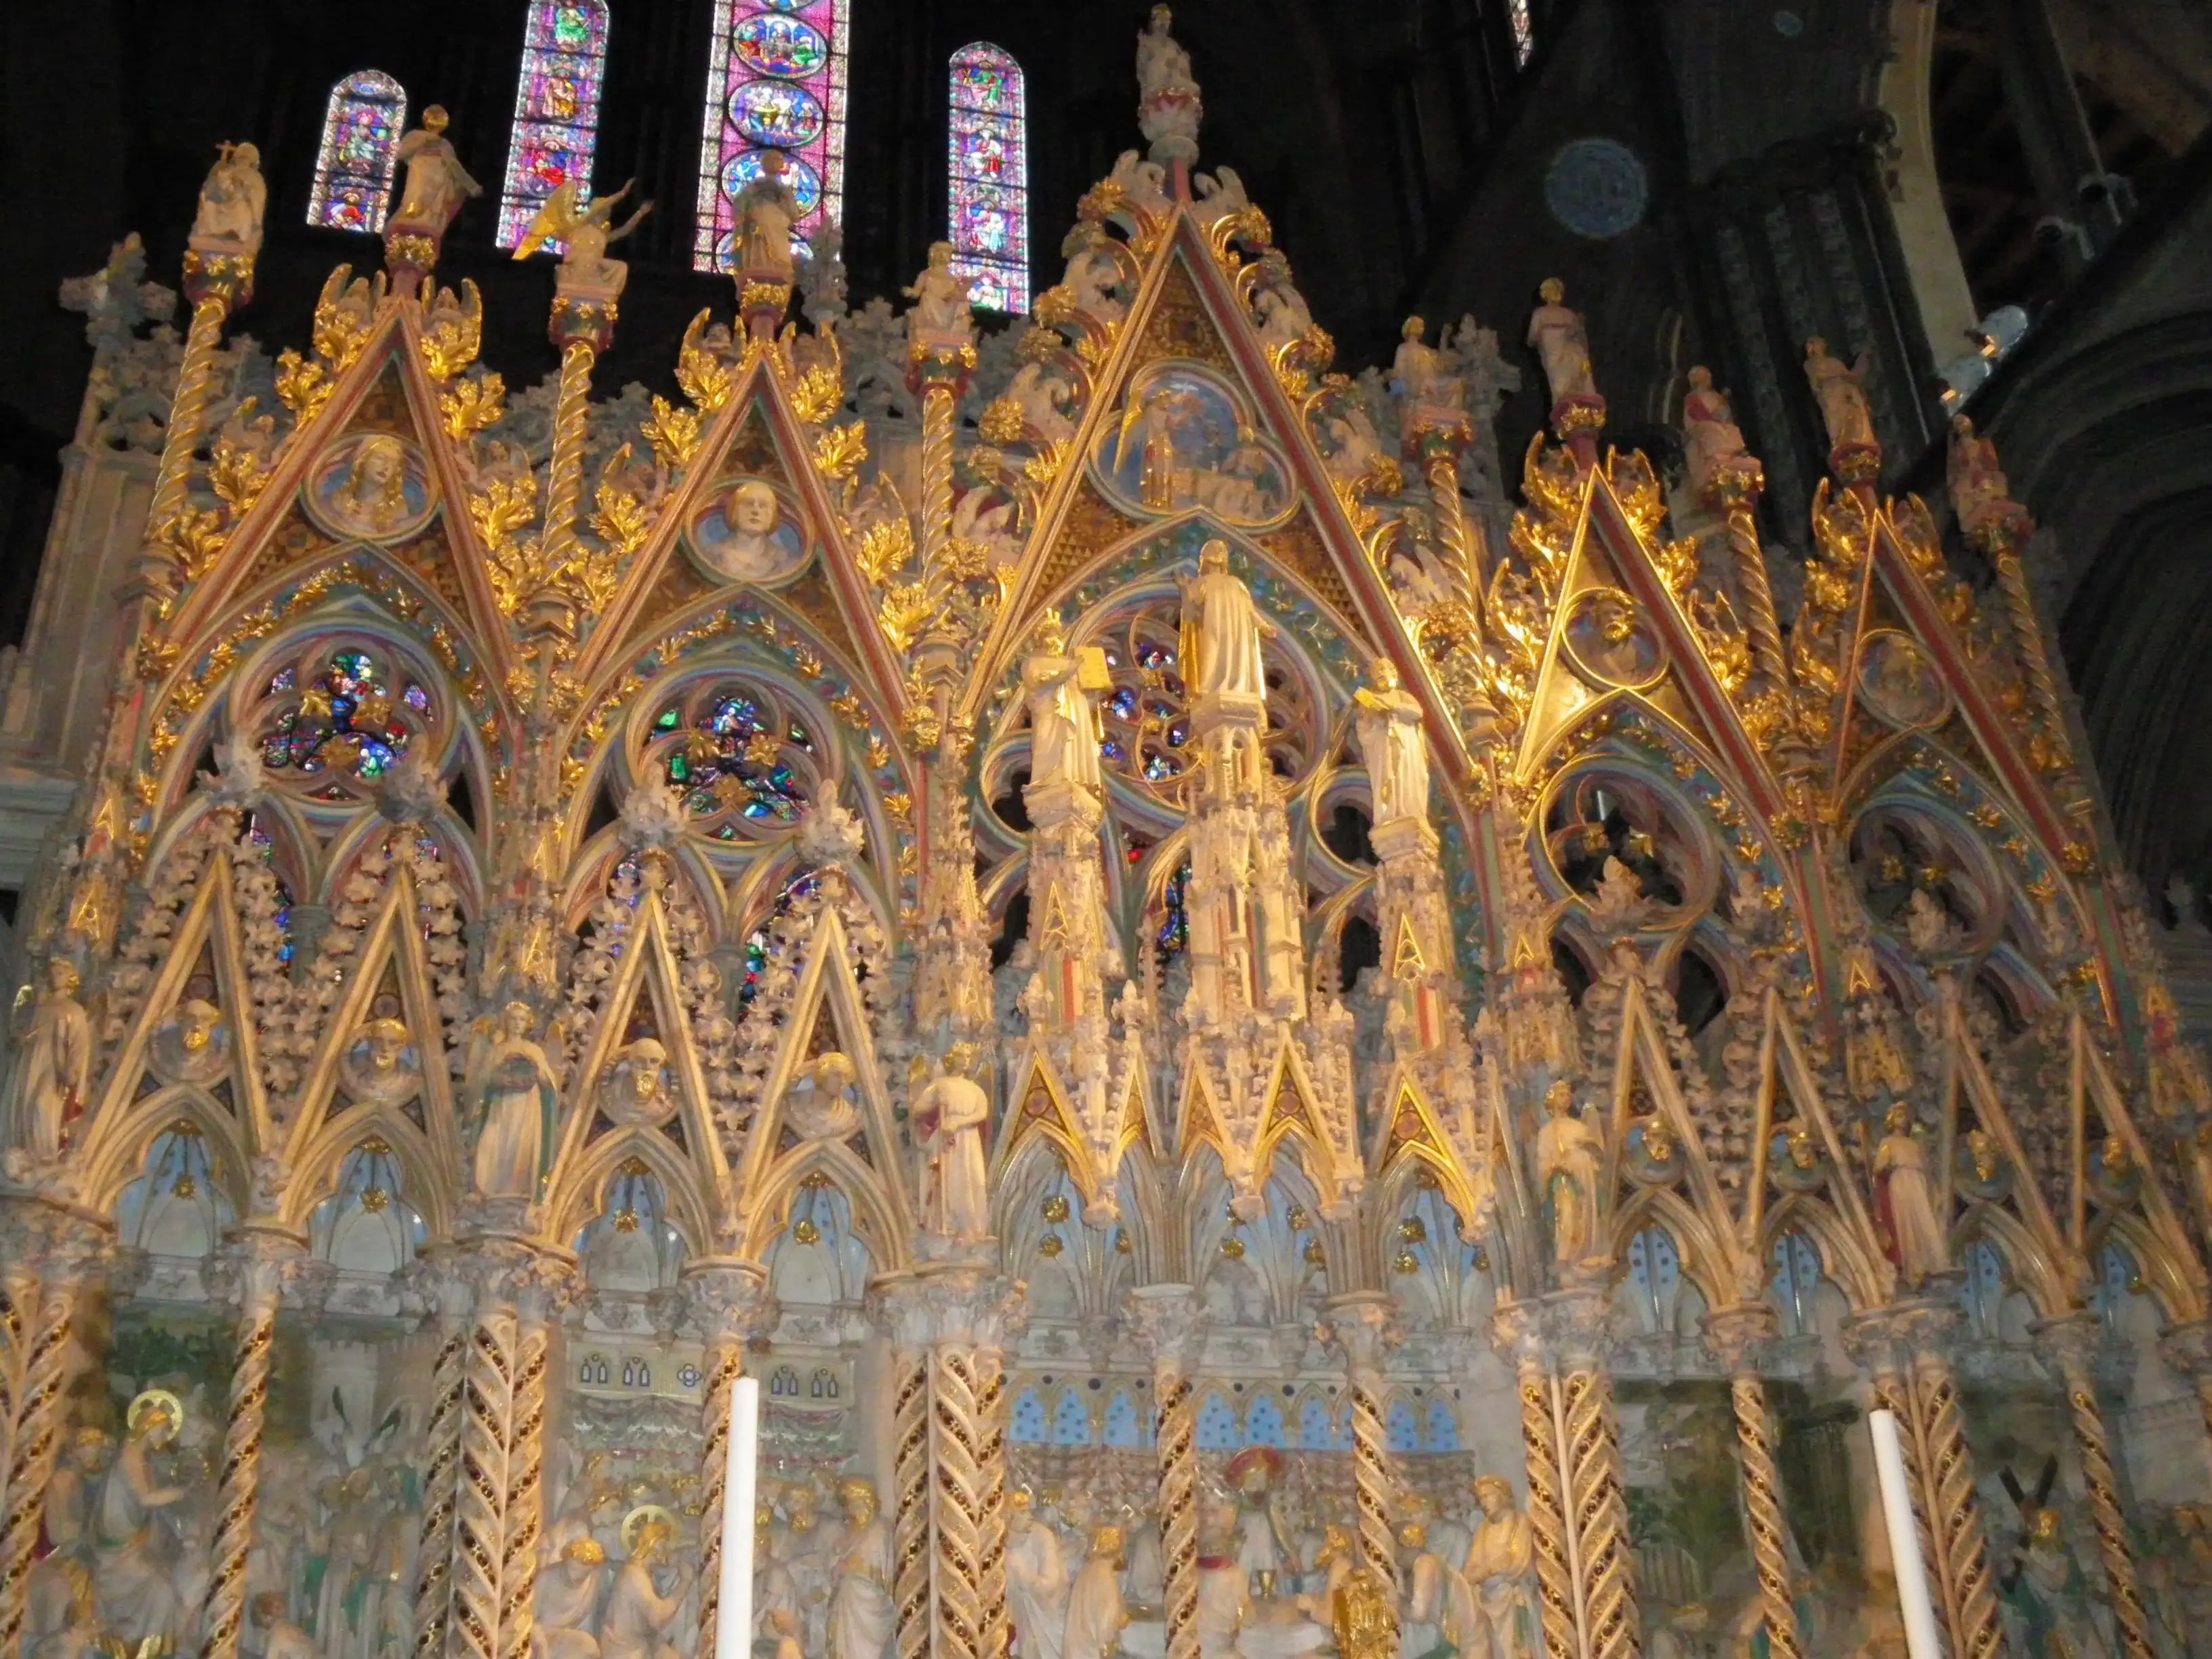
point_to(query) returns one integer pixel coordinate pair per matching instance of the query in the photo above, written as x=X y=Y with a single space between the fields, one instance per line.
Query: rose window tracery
x=1625 y=847
x=1921 y=884
x=1144 y=719
x=333 y=723
x=744 y=762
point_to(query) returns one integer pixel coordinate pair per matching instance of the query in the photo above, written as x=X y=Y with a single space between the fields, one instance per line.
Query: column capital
x=499 y=1274
x=52 y=1238
x=1566 y=1330
x=1900 y=1335
x=262 y=1261
x=728 y=1297
x=2071 y=1346
x=1740 y=1336
x=2187 y=1350
x=953 y=1303
x=1167 y=1321
x=1362 y=1326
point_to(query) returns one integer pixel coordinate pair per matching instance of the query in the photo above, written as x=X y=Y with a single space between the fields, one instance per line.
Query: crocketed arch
x=2168 y=1272
x=581 y=1193
x=2045 y=1282
x=318 y=1167
x=119 y=1158
x=875 y=1218
x=1843 y=1256
x=1705 y=1256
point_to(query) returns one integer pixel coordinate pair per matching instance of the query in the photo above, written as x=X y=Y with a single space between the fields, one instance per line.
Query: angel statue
x=513 y=1082
x=582 y=229
x=437 y=183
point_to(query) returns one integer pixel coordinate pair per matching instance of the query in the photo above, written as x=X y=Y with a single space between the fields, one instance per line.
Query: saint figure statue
x=1840 y=387
x=860 y=1610
x=515 y=1084
x=948 y=1121
x=1908 y=1200
x=57 y=1067
x=231 y=204
x=767 y=209
x=437 y=183
x=1569 y=1156
x=1064 y=733
x=1221 y=631
x=1563 y=343
x=1391 y=743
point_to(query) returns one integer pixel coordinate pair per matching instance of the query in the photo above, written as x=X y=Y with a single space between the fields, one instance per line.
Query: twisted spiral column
x=1557 y=1601
x=998 y=1617
x=2028 y=631
x=1359 y=1326
x=912 y=1577
x=2068 y=1345
x=480 y=1512
x=259 y=1270
x=1740 y=1335
x=730 y=1303
x=526 y=1463
x=1451 y=521
x=187 y=410
x=1168 y=1321
x=19 y=1311
x=1589 y=1445
x=1949 y=1474
x=35 y=1448
x=1894 y=1395
x=958 y=1499
x=565 y=482
x=442 y=1451
x=1736 y=490
x=939 y=403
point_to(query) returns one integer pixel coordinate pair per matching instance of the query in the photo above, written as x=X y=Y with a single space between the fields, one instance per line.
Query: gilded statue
x=585 y=229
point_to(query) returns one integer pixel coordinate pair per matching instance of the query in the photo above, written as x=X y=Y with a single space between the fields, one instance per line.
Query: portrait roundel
x=375 y=486
x=1612 y=642
x=1897 y=682
x=748 y=532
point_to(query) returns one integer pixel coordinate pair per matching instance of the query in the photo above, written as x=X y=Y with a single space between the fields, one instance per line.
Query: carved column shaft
x=1589 y=1446
x=2071 y=1345
x=442 y=1453
x=913 y=1574
x=1359 y=1326
x=1894 y=1395
x=259 y=1269
x=1948 y=1473
x=1166 y=1320
x=1740 y=1336
x=565 y=476
x=526 y=1463
x=34 y=1448
x=480 y=1514
x=1557 y=1600
x=187 y=409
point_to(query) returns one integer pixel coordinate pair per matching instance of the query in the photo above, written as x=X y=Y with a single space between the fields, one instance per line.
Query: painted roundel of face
x=747 y=538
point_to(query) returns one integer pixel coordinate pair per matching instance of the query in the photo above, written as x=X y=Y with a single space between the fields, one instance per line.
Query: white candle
x=1905 y=1555
x=734 y=1602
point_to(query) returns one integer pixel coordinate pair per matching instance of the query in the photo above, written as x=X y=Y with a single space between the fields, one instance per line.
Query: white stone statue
x=639 y=1614
x=783 y=1627
x=1162 y=65
x=1221 y=631
x=1841 y=389
x=1907 y=1200
x=1168 y=108
x=1223 y=1599
x=1142 y=184
x=137 y=1576
x=376 y=1067
x=1619 y=902
x=1440 y=1609
x=1220 y=193
x=861 y=1610
x=1064 y=729
x=824 y=1106
x=1284 y=318
x=437 y=183
x=775 y=1589
x=1353 y=447
x=232 y=201
x=1043 y=396
x=1037 y=1582
x=55 y=1072
x=1569 y=1159
x=1501 y=1566
x=636 y=1089
x=513 y=1084
x=941 y=299
x=568 y=1601
x=1262 y=1551
x=1712 y=438
x=1563 y=343
x=1980 y=494
x=1092 y=271
x=1419 y=373
x=766 y=208
x=584 y=229
x=1096 y=1611
x=1393 y=745
x=948 y=1121
x=1928 y=926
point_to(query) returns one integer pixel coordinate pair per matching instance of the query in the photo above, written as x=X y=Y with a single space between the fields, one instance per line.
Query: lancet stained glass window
x=988 y=171
x=775 y=80
x=362 y=127
x=556 y=108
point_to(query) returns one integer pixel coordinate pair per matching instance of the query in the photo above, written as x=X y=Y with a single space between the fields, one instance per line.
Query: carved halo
x=635 y=1521
x=152 y=1398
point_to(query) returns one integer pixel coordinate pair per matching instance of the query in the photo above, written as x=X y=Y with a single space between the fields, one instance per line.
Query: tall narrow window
x=361 y=146
x=989 y=178
x=556 y=108
x=1524 y=31
x=775 y=80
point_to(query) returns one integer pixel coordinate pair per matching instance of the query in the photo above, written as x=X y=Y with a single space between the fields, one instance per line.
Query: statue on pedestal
x=520 y=1096
x=1712 y=438
x=1501 y=1566
x=1221 y=631
x=583 y=229
x=1064 y=730
x=1840 y=387
x=232 y=201
x=941 y=301
x=1563 y=343
x=766 y=208
x=1168 y=108
x=1907 y=1200
x=1392 y=744
x=948 y=1126
x=860 y=1610
x=437 y=183
x=1569 y=1157
x=1980 y=494
x=56 y=1070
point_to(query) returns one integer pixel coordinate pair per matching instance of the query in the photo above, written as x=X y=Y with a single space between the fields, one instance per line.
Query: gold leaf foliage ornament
x=468 y=407
x=673 y=433
x=452 y=329
x=839 y=451
x=502 y=506
x=705 y=366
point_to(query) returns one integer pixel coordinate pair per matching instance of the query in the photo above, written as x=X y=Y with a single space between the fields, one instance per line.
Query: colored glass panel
x=362 y=127
x=988 y=178
x=775 y=80
x=1071 y=1421
x=556 y=108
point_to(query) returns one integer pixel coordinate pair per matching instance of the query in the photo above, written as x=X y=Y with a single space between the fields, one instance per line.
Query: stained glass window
x=988 y=172
x=361 y=146
x=775 y=80
x=344 y=722
x=556 y=108
x=1524 y=30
